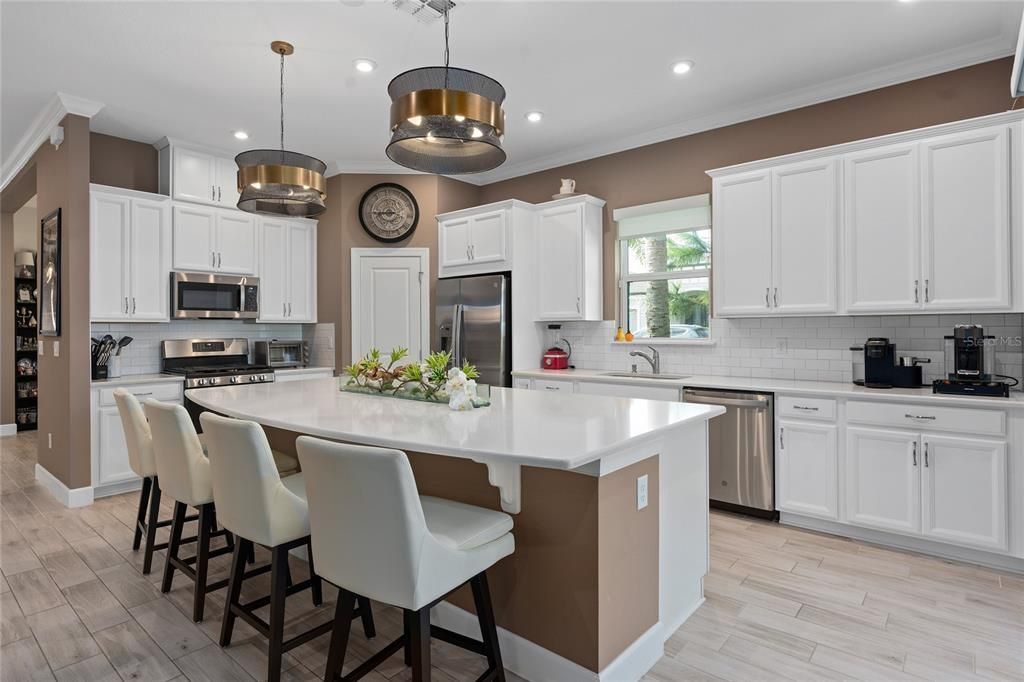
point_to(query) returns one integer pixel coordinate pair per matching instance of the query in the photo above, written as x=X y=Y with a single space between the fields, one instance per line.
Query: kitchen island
x=609 y=497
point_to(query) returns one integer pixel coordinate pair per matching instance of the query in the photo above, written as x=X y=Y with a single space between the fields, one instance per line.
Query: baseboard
x=69 y=497
x=8 y=429
x=669 y=629
x=119 y=488
x=533 y=662
x=896 y=541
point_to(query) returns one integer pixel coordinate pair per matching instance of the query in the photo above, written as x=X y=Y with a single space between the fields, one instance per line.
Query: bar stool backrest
x=180 y=463
x=137 y=435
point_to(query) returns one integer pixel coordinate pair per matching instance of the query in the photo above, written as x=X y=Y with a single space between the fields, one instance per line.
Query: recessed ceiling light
x=682 y=67
x=365 y=65
x=241 y=135
x=534 y=116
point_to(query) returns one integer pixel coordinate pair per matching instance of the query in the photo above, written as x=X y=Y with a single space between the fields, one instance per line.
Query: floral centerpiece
x=430 y=380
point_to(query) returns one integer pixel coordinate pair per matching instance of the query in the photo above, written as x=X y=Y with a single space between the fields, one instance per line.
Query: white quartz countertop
x=519 y=427
x=302 y=370
x=132 y=379
x=816 y=388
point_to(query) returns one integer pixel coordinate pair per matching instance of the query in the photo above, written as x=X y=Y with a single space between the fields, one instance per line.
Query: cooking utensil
x=125 y=340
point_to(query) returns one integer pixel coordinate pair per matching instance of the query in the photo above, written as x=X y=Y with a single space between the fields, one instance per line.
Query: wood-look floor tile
x=24 y=662
x=211 y=664
x=97 y=553
x=782 y=664
x=44 y=540
x=35 y=591
x=251 y=655
x=62 y=637
x=134 y=655
x=13 y=625
x=95 y=605
x=128 y=585
x=67 y=568
x=70 y=526
x=173 y=632
x=719 y=665
x=669 y=669
x=16 y=554
x=852 y=666
x=95 y=669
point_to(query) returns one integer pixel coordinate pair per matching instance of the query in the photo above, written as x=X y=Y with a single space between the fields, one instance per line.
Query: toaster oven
x=281 y=353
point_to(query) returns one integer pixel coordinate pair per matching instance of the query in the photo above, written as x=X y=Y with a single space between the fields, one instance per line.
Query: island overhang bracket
x=507 y=478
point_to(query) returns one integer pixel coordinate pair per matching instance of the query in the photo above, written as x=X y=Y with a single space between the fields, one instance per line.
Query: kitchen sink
x=644 y=375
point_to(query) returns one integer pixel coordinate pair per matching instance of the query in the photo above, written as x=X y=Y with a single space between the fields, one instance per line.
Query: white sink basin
x=644 y=375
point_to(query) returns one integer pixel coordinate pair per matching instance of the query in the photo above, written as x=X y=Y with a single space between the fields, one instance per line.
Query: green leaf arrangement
x=388 y=375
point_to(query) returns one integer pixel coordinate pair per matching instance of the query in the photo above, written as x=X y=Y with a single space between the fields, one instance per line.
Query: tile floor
x=781 y=604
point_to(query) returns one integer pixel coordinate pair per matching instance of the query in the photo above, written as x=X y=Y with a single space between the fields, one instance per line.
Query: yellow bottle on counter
x=620 y=335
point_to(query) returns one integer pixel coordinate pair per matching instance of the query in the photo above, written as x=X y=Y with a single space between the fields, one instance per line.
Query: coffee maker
x=970 y=365
x=882 y=369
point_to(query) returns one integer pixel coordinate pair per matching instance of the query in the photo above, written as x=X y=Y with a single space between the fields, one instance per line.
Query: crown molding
x=45 y=121
x=901 y=72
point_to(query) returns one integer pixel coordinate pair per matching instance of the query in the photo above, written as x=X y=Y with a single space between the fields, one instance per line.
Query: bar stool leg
x=407 y=634
x=242 y=549
x=147 y=483
x=177 y=524
x=279 y=579
x=317 y=586
x=339 y=635
x=152 y=525
x=366 y=615
x=488 y=628
x=202 y=561
x=420 y=622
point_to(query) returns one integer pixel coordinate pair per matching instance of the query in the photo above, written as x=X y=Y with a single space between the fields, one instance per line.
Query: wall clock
x=388 y=212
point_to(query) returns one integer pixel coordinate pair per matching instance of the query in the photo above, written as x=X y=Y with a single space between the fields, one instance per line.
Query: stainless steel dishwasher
x=741 y=450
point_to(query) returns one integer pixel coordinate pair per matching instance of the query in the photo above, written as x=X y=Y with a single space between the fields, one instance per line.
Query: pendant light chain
x=282 y=100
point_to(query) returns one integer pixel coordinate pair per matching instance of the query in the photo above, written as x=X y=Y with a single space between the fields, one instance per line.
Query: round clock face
x=388 y=212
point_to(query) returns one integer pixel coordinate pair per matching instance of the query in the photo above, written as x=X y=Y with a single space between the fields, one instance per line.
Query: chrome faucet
x=654 y=358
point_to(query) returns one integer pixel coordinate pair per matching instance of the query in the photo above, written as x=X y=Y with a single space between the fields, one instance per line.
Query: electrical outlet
x=781 y=345
x=56 y=348
x=49 y=441
x=40 y=352
x=641 y=492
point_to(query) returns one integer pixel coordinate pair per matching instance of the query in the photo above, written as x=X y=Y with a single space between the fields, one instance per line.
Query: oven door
x=203 y=295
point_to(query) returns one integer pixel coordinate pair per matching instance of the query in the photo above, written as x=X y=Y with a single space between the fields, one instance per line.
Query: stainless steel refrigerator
x=474 y=319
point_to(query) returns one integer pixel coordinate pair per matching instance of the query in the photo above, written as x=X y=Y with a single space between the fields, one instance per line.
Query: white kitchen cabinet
x=883 y=485
x=197 y=175
x=569 y=260
x=476 y=241
x=227 y=181
x=207 y=239
x=113 y=464
x=129 y=259
x=805 y=227
x=623 y=390
x=883 y=230
x=806 y=468
x=304 y=374
x=521 y=382
x=287 y=270
x=963 y=486
x=966 y=220
x=742 y=235
x=489 y=237
x=453 y=243
x=561 y=385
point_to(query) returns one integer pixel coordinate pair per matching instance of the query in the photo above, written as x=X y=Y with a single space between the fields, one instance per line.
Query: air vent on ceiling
x=425 y=11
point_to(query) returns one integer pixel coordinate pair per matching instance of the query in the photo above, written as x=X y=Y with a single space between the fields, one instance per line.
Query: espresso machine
x=970 y=365
x=883 y=369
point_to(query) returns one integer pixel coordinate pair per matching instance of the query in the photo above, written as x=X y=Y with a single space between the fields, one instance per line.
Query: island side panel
x=628 y=556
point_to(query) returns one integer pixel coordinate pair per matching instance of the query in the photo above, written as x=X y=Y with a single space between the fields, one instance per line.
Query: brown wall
x=339 y=231
x=676 y=168
x=122 y=163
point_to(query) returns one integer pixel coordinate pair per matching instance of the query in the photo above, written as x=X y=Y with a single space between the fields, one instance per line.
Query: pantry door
x=390 y=301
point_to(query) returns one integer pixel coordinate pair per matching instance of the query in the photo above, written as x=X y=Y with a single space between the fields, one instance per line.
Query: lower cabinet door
x=113 y=455
x=964 y=491
x=806 y=469
x=883 y=480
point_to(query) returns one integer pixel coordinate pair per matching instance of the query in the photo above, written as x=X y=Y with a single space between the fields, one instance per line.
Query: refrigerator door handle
x=457 y=335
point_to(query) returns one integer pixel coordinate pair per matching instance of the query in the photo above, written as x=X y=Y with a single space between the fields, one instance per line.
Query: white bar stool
x=139 y=440
x=184 y=475
x=260 y=507
x=374 y=535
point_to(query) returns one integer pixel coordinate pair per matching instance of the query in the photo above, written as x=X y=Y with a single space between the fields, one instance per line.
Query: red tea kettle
x=557 y=358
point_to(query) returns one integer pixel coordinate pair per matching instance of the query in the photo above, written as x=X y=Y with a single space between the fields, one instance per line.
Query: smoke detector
x=425 y=11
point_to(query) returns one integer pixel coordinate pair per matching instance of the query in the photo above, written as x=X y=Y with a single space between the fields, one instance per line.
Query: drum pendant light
x=279 y=182
x=445 y=120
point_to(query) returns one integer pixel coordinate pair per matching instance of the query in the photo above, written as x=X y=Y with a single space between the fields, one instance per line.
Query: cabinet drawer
x=806 y=408
x=932 y=418
x=170 y=392
x=552 y=385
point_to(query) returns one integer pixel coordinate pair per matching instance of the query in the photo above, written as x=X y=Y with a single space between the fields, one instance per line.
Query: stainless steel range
x=208 y=363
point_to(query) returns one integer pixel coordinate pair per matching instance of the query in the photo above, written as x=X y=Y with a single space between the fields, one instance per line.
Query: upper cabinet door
x=487 y=241
x=882 y=225
x=742 y=235
x=453 y=236
x=236 y=243
x=805 y=200
x=108 y=257
x=150 y=260
x=194 y=176
x=966 y=220
x=964 y=491
x=883 y=487
x=560 y=263
x=301 y=272
x=227 y=182
x=193 y=248
x=273 y=270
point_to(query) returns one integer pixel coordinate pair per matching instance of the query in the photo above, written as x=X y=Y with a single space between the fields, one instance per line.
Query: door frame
x=358 y=254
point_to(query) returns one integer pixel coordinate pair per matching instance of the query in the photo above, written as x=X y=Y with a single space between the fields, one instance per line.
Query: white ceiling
x=600 y=71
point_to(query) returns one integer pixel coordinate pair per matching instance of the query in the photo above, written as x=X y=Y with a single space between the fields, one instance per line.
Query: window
x=665 y=269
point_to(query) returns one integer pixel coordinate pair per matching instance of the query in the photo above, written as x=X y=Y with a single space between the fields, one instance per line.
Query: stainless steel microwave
x=217 y=297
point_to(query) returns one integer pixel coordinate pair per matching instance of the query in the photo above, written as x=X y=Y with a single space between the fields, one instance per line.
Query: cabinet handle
x=926 y=454
x=133 y=305
x=776 y=297
x=220 y=259
x=289 y=309
x=125 y=305
x=767 y=301
x=472 y=251
x=213 y=259
x=218 y=194
x=915 y=453
x=920 y=416
x=782 y=437
x=467 y=252
x=284 y=309
x=577 y=304
x=213 y=193
x=804 y=407
x=927 y=296
x=140 y=395
x=916 y=299
x=552 y=388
